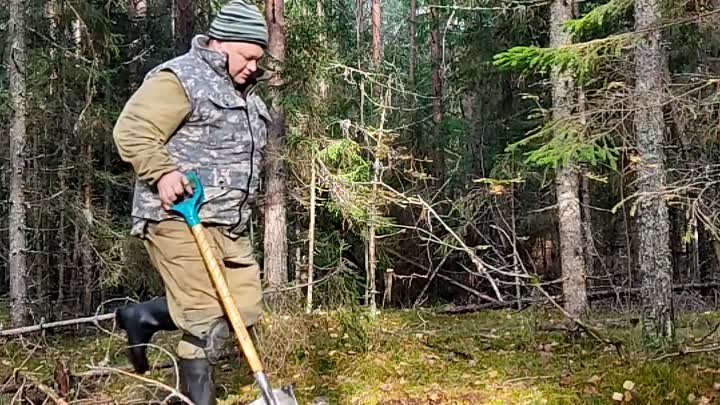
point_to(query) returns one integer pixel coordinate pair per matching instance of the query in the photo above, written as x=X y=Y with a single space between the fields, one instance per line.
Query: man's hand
x=172 y=185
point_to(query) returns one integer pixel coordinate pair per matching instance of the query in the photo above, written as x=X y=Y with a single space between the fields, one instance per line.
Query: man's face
x=243 y=59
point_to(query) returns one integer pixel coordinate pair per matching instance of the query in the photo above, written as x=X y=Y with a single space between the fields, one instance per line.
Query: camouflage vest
x=221 y=140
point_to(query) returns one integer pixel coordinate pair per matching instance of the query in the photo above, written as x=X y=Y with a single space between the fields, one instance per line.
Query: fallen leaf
x=386 y=387
x=628 y=396
x=590 y=390
x=594 y=379
x=691 y=397
x=617 y=396
x=628 y=385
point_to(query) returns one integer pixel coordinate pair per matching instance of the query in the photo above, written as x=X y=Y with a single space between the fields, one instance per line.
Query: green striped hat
x=240 y=20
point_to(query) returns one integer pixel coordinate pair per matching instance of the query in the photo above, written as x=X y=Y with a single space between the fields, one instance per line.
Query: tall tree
x=437 y=91
x=276 y=248
x=567 y=181
x=184 y=13
x=653 y=220
x=377 y=44
x=16 y=65
x=413 y=42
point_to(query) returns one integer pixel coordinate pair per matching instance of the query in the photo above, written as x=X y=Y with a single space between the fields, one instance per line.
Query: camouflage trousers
x=192 y=299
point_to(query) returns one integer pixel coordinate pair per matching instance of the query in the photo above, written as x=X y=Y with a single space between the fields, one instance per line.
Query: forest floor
x=406 y=357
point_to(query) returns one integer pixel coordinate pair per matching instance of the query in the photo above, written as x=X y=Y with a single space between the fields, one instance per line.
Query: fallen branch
x=684 y=352
x=46 y=390
x=470 y=290
x=44 y=326
x=97 y=372
x=593 y=294
x=22 y=380
x=446 y=278
x=91 y=374
x=173 y=391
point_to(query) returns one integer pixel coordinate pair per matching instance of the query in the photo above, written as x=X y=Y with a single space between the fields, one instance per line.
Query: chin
x=240 y=80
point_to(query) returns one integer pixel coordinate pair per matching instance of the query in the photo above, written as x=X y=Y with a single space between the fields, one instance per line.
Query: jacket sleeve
x=146 y=123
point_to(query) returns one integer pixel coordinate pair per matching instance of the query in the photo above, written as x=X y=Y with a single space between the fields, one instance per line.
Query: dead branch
x=173 y=391
x=46 y=390
x=44 y=326
x=25 y=380
x=592 y=294
x=90 y=374
x=686 y=351
x=99 y=373
x=468 y=289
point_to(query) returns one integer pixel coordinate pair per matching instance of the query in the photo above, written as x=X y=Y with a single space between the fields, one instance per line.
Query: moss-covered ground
x=410 y=357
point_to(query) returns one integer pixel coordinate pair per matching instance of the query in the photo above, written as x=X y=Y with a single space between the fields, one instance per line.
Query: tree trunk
x=276 y=249
x=18 y=267
x=311 y=236
x=372 y=240
x=86 y=251
x=437 y=153
x=654 y=250
x=413 y=42
x=589 y=242
x=567 y=182
x=358 y=26
x=322 y=85
x=184 y=24
x=377 y=55
x=137 y=13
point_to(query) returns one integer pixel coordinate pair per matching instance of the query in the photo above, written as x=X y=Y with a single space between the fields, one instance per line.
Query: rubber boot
x=141 y=322
x=196 y=381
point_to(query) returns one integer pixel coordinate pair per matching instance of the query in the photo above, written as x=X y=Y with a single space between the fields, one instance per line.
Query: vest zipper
x=252 y=163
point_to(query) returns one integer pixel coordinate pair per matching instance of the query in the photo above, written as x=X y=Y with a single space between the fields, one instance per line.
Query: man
x=198 y=112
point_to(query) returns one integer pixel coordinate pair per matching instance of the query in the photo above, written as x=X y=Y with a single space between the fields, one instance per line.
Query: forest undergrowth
x=418 y=357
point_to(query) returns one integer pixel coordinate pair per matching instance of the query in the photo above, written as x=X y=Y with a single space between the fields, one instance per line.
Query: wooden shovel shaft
x=216 y=274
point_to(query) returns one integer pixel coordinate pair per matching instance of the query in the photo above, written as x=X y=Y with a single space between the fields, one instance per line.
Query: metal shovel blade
x=283 y=396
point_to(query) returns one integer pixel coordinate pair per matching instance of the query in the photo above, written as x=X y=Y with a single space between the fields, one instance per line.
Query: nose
x=252 y=66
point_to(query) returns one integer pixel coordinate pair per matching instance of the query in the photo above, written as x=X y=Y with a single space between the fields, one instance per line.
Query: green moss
x=407 y=357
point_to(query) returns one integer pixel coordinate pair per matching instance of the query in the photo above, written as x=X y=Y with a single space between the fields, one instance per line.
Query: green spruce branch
x=581 y=59
x=599 y=18
x=562 y=141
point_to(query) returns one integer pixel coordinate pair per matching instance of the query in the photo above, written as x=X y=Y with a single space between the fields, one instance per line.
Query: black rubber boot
x=141 y=322
x=196 y=381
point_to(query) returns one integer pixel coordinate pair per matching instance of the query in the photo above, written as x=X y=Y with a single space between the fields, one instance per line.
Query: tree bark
x=16 y=65
x=311 y=236
x=653 y=221
x=86 y=251
x=320 y=9
x=377 y=55
x=589 y=242
x=276 y=248
x=184 y=24
x=567 y=182
x=437 y=90
x=413 y=42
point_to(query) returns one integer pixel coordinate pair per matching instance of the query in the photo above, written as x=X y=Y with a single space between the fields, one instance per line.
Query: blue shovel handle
x=189 y=208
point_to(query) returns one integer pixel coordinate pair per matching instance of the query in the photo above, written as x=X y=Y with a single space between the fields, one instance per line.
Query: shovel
x=189 y=209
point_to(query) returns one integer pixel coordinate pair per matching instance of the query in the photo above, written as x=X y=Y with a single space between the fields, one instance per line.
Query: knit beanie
x=240 y=20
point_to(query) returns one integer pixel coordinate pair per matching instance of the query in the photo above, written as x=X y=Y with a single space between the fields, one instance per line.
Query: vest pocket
x=223 y=177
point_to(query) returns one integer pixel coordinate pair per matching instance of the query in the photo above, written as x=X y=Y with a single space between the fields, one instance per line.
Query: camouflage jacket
x=222 y=140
